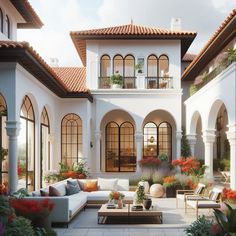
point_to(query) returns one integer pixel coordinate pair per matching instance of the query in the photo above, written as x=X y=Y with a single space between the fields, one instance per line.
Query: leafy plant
x=21 y=193
x=44 y=232
x=185 y=148
x=163 y=157
x=20 y=227
x=232 y=54
x=117 y=79
x=193 y=89
x=139 y=67
x=200 y=227
x=140 y=194
x=227 y=221
x=3 y=153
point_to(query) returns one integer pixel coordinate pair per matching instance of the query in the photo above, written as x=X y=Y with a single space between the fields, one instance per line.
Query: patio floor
x=174 y=222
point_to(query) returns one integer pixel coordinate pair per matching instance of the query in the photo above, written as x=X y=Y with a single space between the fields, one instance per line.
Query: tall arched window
x=150 y=140
x=165 y=139
x=118 y=65
x=26 y=145
x=1 y=20
x=45 y=145
x=8 y=27
x=105 y=69
x=129 y=63
x=3 y=140
x=157 y=139
x=71 y=139
x=163 y=66
x=152 y=66
x=120 y=147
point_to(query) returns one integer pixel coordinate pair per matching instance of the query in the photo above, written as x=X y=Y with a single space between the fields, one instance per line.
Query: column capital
x=139 y=136
x=13 y=128
x=192 y=138
x=179 y=134
x=98 y=135
x=209 y=136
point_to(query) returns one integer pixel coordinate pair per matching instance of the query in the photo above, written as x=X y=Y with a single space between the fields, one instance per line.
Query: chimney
x=54 y=62
x=175 y=23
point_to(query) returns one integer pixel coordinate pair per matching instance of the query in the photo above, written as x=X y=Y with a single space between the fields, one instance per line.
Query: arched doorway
x=118 y=152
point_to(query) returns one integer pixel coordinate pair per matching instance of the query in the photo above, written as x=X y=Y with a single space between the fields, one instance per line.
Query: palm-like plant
x=227 y=221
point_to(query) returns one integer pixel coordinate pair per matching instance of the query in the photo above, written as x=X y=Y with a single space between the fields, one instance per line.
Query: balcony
x=128 y=83
x=158 y=82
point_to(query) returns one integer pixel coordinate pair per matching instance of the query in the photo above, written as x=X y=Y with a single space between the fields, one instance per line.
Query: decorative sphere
x=157 y=190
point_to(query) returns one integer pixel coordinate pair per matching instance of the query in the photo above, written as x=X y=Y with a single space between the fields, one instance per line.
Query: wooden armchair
x=197 y=202
x=182 y=194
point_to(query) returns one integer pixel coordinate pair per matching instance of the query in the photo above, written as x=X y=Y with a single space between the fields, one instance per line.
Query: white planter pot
x=145 y=184
x=116 y=86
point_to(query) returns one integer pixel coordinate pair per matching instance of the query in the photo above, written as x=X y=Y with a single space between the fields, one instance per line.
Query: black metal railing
x=128 y=83
x=159 y=82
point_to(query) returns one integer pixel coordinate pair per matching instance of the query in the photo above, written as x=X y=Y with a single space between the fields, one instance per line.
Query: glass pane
x=129 y=66
x=150 y=140
x=152 y=66
x=118 y=65
x=163 y=66
x=105 y=66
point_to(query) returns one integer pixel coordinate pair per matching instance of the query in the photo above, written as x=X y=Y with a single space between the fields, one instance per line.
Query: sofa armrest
x=60 y=212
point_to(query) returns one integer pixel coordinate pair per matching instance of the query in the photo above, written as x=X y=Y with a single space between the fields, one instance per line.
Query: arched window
x=157 y=139
x=165 y=139
x=45 y=145
x=118 y=65
x=120 y=147
x=3 y=140
x=163 y=66
x=8 y=27
x=26 y=146
x=152 y=66
x=71 y=139
x=150 y=140
x=105 y=69
x=129 y=63
x=1 y=20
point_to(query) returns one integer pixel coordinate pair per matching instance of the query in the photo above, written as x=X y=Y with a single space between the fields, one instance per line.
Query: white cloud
x=62 y=16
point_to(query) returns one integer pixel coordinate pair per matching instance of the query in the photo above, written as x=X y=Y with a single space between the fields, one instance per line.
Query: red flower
x=149 y=162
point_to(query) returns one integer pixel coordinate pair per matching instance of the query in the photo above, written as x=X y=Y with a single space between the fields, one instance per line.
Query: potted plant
x=232 y=54
x=171 y=184
x=3 y=153
x=139 y=68
x=139 y=195
x=116 y=80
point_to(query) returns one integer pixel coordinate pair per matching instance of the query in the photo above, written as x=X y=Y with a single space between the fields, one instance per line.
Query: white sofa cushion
x=107 y=184
x=123 y=185
x=76 y=204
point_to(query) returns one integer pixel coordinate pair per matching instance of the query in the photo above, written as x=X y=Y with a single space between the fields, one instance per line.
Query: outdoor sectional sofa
x=67 y=206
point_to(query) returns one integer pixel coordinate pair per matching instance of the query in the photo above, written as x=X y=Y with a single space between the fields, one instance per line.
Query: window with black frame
x=152 y=79
x=105 y=71
x=129 y=72
x=71 y=139
x=3 y=142
x=120 y=147
x=118 y=65
x=26 y=146
x=44 y=145
x=8 y=27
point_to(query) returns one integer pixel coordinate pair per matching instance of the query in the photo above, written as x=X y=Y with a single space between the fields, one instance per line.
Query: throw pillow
x=90 y=186
x=44 y=193
x=107 y=184
x=54 y=192
x=72 y=187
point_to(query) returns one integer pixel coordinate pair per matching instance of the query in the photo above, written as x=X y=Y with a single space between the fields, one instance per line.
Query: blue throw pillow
x=72 y=187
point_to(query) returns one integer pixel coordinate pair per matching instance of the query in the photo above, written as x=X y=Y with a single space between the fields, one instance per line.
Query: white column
x=12 y=128
x=139 y=148
x=178 y=143
x=97 y=160
x=192 y=140
x=209 y=139
x=231 y=135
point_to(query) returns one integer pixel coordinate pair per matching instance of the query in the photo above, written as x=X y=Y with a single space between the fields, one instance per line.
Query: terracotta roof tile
x=210 y=42
x=189 y=57
x=131 y=29
x=73 y=77
x=28 y=13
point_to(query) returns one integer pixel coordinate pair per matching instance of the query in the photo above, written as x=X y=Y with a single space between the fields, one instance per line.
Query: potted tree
x=116 y=80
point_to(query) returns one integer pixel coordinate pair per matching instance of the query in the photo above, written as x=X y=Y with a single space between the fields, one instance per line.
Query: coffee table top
x=103 y=211
x=144 y=212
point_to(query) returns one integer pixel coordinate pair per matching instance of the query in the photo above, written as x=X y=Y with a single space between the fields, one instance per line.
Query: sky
x=62 y=16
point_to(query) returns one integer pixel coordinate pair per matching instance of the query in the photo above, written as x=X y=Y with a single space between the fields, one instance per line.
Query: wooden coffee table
x=104 y=213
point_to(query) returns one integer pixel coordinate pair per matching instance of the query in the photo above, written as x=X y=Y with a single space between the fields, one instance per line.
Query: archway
x=118 y=150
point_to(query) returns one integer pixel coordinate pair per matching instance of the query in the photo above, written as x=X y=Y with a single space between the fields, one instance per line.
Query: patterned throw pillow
x=54 y=192
x=72 y=187
x=91 y=186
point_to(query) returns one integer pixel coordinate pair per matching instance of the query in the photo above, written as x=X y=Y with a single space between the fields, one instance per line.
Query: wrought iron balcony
x=128 y=83
x=159 y=82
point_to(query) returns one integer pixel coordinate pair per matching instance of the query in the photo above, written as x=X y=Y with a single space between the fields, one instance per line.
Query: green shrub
x=19 y=227
x=163 y=157
x=200 y=227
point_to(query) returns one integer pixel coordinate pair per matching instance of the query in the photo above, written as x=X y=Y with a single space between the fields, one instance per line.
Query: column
x=231 y=135
x=97 y=160
x=192 y=140
x=209 y=139
x=178 y=143
x=12 y=128
x=139 y=148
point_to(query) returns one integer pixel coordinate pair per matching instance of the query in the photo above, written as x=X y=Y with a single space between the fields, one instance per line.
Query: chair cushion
x=72 y=187
x=107 y=184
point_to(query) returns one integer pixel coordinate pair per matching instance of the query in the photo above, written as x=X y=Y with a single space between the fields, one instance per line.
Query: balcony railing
x=128 y=83
x=158 y=82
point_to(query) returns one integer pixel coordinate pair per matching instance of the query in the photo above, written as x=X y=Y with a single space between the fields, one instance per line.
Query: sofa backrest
x=123 y=185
